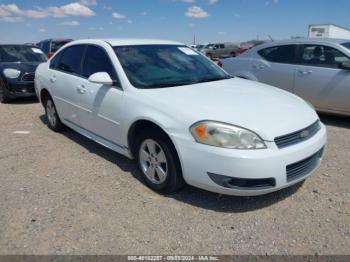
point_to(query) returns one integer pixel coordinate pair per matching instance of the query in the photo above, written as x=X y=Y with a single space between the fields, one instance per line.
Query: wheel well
x=44 y=95
x=140 y=127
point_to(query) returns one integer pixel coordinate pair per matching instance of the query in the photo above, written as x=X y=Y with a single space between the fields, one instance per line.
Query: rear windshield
x=347 y=45
x=14 y=53
x=55 y=45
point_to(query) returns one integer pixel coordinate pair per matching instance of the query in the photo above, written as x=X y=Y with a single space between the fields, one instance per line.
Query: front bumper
x=17 y=89
x=199 y=161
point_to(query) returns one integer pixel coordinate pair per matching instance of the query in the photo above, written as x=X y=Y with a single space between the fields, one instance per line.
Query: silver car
x=317 y=70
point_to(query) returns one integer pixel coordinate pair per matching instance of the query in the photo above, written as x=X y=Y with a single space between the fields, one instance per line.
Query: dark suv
x=17 y=70
x=50 y=46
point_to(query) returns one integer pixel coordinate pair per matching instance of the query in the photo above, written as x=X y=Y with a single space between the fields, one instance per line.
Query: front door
x=320 y=80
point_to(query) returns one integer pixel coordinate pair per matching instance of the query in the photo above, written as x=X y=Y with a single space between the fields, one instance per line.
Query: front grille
x=28 y=77
x=298 y=136
x=303 y=167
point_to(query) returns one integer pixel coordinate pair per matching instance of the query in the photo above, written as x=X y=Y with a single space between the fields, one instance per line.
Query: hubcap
x=51 y=113
x=153 y=161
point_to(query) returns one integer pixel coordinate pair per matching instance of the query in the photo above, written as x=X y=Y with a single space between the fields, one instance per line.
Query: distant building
x=328 y=31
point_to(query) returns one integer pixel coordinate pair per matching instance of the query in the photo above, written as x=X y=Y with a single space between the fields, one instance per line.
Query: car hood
x=266 y=110
x=28 y=67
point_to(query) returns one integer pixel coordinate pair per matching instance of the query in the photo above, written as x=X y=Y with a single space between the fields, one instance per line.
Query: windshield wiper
x=170 y=84
x=213 y=79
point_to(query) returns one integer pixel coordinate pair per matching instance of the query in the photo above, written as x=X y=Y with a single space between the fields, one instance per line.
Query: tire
x=3 y=97
x=233 y=54
x=158 y=162
x=52 y=118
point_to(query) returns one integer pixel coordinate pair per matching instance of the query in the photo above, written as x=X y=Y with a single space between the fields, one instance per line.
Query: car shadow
x=335 y=120
x=23 y=101
x=189 y=195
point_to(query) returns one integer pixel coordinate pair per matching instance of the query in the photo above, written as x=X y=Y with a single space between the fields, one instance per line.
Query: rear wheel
x=159 y=163
x=53 y=120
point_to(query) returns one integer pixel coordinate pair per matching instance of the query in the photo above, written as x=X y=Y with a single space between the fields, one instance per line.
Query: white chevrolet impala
x=180 y=116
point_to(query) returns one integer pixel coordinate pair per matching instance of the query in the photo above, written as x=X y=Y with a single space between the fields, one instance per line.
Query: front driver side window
x=96 y=60
x=322 y=56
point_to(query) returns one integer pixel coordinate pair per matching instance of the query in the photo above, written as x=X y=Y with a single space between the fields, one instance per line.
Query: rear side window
x=71 y=59
x=279 y=54
x=97 y=60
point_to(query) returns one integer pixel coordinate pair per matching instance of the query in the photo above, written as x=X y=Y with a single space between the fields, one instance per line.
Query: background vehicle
x=328 y=31
x=17 y=67
x=50 y=46
x=199 y=47
x=317 y=70
x=172 y=110
x=215 y=51
x=244 y=46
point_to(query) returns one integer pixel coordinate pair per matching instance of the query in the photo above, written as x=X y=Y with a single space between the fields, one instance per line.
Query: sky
x=180 y=20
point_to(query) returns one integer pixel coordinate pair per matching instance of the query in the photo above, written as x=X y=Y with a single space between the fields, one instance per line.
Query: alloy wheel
x=153 y=161
x=51 y=113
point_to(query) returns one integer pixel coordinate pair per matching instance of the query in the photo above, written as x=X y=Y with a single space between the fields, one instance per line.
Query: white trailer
x=328 y=31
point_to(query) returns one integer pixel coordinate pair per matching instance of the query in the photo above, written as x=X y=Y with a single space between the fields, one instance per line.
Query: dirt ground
x=63 y=194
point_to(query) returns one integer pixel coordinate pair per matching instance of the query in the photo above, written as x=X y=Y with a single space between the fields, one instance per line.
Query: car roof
x=56 y=39
x=23 y=45
x=130 y=41
x=308 y=41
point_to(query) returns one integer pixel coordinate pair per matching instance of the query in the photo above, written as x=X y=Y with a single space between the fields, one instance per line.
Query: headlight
x=11 y=73
x=225 y=135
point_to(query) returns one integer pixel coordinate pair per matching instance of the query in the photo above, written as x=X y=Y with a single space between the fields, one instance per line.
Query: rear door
x=320 y=80
x=65 y=76
x=100 y=105
x=276 y=66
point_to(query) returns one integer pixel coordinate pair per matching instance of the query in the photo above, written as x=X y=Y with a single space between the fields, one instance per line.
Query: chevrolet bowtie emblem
x=304 y=134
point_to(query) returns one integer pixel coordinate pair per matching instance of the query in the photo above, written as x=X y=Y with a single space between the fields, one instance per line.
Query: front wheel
x=53 y=120
x=159 y=164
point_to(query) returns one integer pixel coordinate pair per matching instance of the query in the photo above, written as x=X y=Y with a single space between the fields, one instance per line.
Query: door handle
x=259 y=67
x=81 y=89
x=305 y=72
x=53 y=79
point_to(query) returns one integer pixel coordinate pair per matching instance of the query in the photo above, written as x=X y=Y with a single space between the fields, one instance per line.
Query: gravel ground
x=63 y=194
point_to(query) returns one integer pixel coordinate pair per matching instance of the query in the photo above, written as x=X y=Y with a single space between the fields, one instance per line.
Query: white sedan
x=180 y=116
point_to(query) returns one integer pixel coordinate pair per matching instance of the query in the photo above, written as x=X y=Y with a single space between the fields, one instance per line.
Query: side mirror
x=102 y=78
x=345 y=65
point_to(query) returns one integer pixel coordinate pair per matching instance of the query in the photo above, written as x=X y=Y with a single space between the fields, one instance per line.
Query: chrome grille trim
x=298 y=136
x=28 y=77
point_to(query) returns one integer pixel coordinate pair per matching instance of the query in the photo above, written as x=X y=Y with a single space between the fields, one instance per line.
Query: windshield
x=13 y=53
x=347 y=45
x=155 y=66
